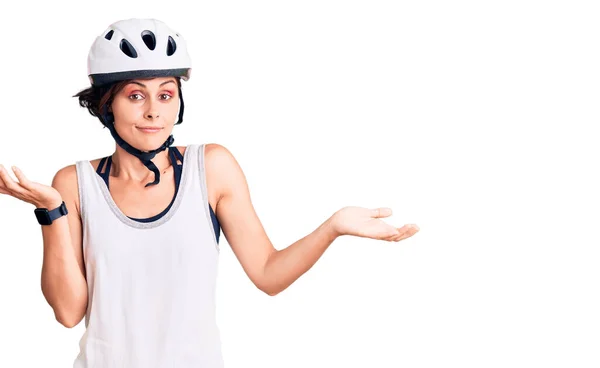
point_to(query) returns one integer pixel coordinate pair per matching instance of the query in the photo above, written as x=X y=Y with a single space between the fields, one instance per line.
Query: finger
x=2 y=191
x=406 y=232
x=400 y=233
x=397 y=238
x=385 y=237
x=390 y=234
x=25 y=183
x=391 y=238
x=381 y=212
x=2 y=185
x=9 y=183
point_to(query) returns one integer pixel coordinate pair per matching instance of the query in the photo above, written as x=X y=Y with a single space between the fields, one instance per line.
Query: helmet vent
x=109 y=34
x=128 y=49
x=149 y=39
x=171 y=46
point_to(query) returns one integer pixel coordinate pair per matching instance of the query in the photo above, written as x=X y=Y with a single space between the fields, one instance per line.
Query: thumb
x=381 y=212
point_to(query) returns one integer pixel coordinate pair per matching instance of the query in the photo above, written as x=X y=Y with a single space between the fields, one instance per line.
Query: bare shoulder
x=219 y=156
x=65 y=182
x=215 y=150
x=222 y=169
x=66 y=177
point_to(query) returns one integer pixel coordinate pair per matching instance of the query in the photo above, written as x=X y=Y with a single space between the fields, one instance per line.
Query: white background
x=473 y=120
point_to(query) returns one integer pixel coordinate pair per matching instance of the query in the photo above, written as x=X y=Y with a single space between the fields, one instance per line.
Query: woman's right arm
x=63 y=272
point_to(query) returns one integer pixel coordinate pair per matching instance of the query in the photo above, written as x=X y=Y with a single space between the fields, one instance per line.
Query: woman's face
x=145 y=111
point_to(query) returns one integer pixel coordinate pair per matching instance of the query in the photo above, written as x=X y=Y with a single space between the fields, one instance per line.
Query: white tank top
x=151 y=285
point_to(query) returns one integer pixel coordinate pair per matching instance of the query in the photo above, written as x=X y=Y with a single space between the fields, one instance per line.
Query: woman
x=131 y=240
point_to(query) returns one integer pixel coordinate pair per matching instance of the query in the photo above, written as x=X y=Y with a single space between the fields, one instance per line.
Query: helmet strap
x=144 y=156
x=180 y=107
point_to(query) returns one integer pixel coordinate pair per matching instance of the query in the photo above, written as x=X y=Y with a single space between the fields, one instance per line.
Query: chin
x=149 y=144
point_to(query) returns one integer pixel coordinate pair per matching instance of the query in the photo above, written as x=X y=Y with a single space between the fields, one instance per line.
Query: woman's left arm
x=271 y=270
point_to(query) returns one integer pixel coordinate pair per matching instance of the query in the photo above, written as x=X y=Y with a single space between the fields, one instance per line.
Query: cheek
x=172 y=107
x=126 y=111
x=170 y=111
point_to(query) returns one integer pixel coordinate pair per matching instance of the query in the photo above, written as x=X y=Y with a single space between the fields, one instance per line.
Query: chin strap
x=144 y=156
x=108 y=120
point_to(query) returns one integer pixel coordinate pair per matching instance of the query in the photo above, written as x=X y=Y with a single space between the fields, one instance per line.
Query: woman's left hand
x=366 y=223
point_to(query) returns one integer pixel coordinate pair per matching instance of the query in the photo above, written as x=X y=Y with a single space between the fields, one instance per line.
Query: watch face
x=42 y=216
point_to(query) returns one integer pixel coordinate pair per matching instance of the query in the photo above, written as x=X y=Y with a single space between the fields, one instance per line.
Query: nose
x=151 y=112
x=152 y=115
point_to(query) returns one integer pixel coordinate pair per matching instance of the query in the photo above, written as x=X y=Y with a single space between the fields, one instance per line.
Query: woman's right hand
x=39 y=195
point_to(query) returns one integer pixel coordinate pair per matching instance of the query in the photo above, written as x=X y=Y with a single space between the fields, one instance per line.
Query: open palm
x=367 y=223
x=26 y=190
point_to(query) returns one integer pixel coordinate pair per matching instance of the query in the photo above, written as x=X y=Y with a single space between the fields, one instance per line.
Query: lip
x=149 y=129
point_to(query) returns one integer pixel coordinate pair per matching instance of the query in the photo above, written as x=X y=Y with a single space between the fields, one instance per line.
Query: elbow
x=67 y=313
x=69 y=321
x=267 y=283
x=70 y=317
x=270 y=290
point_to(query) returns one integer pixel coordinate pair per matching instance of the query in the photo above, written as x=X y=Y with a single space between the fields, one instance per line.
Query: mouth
x=149 y=129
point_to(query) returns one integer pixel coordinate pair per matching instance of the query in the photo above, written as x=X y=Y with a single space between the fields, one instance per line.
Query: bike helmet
x=138 y=48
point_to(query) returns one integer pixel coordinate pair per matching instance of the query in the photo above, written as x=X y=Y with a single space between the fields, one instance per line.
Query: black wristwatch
x=46 y=217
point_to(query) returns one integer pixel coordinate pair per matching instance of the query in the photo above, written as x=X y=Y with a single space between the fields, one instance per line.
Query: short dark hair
x=94 y=98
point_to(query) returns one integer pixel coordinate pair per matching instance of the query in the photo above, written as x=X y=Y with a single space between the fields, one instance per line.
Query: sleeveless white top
x=151 y=285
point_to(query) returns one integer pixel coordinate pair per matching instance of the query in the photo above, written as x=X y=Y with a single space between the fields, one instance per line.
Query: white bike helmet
x=138 y=48
x=135 y=49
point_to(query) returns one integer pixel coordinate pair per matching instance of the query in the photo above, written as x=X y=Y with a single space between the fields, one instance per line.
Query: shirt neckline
x=146 y=225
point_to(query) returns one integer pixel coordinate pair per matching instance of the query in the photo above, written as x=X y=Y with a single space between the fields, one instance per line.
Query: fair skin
x=155 y=102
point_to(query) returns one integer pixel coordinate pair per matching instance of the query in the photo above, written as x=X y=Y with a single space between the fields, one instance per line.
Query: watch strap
x=58 y=212
x=46 y=217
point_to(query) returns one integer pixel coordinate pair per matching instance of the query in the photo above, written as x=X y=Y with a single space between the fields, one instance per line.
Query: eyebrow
x=143 y=85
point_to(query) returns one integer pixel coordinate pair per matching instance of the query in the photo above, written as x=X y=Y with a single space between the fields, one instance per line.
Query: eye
x=135 y=94
x=168 y=96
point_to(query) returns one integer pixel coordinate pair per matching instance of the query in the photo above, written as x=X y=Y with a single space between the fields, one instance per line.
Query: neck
x=128 y=167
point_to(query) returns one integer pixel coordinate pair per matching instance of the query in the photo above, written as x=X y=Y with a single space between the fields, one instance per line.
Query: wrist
x=47 y=214
x=331 y=229
x=49 y=204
